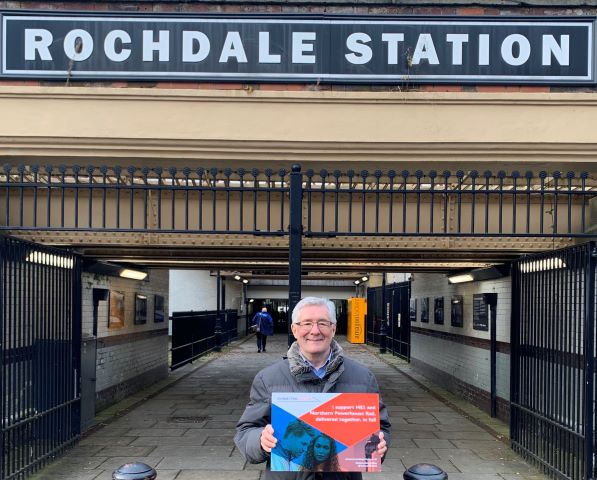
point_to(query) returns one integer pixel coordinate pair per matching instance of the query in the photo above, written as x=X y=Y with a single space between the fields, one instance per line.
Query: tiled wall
x=134 y=356
x=458 y=358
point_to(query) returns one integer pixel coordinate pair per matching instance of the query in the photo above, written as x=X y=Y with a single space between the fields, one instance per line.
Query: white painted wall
x=397 y=277
x=335 y=293
x=196 y=290
x=192 y=290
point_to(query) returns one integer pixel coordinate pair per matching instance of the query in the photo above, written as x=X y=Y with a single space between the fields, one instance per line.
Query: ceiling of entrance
x=268 y=256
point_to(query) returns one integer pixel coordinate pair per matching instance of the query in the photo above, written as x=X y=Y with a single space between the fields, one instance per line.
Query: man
x=293 y=446
x=315 y=363
x=264 y=325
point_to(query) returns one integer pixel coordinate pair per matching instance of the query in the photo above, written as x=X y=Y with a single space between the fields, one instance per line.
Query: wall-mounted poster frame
x=158 y=309
x=480 y=313
x=438 y=310
x=425 y=309
x=140 y=309
x=116 y=310
x=456 y=311
x=413 y=310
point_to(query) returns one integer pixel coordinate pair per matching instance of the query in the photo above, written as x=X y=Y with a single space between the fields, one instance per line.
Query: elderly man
x=315 y=363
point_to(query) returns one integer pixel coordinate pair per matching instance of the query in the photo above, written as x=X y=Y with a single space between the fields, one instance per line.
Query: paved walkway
x=186 y=430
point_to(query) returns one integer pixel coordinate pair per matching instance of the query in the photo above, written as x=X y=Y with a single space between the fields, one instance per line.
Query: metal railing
x=40 y=344
x=196 y=333
x=389 y=304
x=552 y=385
x=140 y=200
x=447 y=204
x=473 y=204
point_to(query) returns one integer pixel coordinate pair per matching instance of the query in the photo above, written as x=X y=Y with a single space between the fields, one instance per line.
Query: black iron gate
x=553 y=361
x=390 y=304
x=40 y=353
x=399 y=334
x=193 y=334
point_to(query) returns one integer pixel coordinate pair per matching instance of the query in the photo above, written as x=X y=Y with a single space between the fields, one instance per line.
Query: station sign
x=274 y=48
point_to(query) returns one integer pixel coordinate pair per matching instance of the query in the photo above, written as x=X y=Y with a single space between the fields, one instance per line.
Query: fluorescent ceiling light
x=466 y=277
x=542 y=265
x=50 y=259
x=365 y=278
x=480 y=274
x=134 y=274
x=356 y=282
x=236 y=277
x=245 y=281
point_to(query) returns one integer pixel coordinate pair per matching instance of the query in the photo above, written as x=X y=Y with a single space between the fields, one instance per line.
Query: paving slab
x=185 y=427
x=217 y=475
x=432 y=443
x=46 y=475
x=193 y=451
x=464 y=435
x=196 y=440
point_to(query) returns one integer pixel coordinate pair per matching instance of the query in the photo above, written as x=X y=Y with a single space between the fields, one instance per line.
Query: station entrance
x=304 y=222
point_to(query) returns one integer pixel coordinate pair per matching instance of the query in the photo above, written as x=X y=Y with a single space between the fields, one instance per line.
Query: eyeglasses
x=322 y=325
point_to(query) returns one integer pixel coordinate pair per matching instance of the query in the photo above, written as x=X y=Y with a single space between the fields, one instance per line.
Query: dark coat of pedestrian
x=263 y=324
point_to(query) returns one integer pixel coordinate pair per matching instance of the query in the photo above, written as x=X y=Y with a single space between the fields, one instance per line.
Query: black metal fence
x=390 y=304
x=40 y=345
x=197 y=333
x=553 y=361
x=257 y=202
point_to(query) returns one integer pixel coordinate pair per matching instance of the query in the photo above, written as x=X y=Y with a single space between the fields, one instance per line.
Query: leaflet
x=326 y=432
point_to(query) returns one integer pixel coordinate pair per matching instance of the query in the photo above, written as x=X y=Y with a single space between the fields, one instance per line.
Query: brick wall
x=134 y=356
x=458 y=357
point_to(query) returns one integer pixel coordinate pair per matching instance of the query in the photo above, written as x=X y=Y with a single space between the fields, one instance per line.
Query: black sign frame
x=480 y=312
x=424 y=310
x=509 y=39
x=438 y=310
x=412 y=310
x=457 y=311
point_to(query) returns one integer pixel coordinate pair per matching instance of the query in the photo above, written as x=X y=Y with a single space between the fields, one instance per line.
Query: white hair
x=308 y=301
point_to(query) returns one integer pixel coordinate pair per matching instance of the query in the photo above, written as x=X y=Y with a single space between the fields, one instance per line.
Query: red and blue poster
x=325 y=432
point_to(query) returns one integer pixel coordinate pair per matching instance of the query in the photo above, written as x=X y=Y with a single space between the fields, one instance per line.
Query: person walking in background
x=263 y=326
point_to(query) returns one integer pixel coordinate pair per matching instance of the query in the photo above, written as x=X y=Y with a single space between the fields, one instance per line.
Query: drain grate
x=188 y=419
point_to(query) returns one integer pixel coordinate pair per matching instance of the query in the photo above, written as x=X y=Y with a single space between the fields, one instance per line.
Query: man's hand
x=268 y=441
x=382 y=447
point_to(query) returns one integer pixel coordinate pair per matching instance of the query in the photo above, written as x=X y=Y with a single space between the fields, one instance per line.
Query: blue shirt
x=320 y=372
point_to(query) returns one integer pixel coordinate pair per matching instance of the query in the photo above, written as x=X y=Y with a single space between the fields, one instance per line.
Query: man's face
x=296 y=445
x=316 y=341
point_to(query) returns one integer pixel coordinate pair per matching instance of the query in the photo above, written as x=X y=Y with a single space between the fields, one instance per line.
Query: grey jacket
x=292 y=375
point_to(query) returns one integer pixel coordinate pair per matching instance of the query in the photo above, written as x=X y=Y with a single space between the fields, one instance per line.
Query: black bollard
x=134 y=471
x=425 y=471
